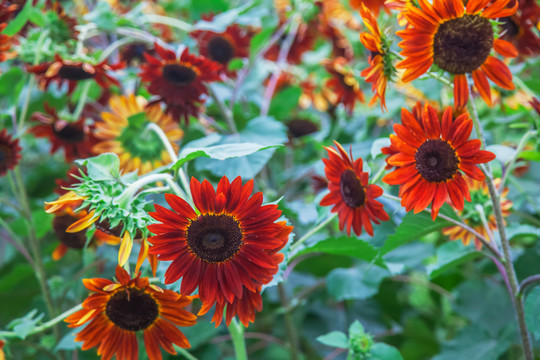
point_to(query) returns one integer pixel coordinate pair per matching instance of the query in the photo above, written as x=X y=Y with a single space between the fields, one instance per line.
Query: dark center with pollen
x=179 y=75
x=214 y=238
x=105 y=226
x=71 y=240
x=74 y=72
x=132 y=309
x=70 y=133
x=462 y=45
x=220 y=50
x=436 y=160
x=352 y=191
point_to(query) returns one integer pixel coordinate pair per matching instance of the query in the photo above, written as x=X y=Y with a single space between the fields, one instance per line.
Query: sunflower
x=303 y=41
x=117 y=311
x=133 y=54
x=71 y=72
x=432 y=154
x=479 y=195
x=380 y=65
x=521 y=29
x=76 y=138
x=245 y=307
x=9 y=152
x=343 y=83
x=351 y=196
x=222 y=47
x=122 y=132
x=458 y=38
x=5 y=45
x=179 y=83
x=401 y=6
x=374 y=6
x=314 y=95
x=229 y=242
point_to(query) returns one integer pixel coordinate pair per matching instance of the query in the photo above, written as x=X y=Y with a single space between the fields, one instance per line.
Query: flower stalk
x=237 y=334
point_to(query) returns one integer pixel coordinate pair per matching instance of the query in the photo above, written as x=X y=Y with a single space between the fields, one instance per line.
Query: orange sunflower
x=71 y=72
x=343 y=83
x=229 y=243
x=380 y=66
x=222 y=47
x=76 y=137
x=458 y=38
x=179 y=83
x=9 y=152
x=353 y=199
x=122 y=132
x=479 y=195
x=117 y=311
x=432 y=154
x=374 y=6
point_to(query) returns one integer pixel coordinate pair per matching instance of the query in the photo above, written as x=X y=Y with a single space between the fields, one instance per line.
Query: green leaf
x=11 y=84
x=284 y=102
x=37 y=17
x=504 y=153
x=359 y=282
x=15 y=25
x=415 y=226
x=378 y=145
x=382 y=351
x=220 y=22
x=103 y=167
x=334 y=339
x=41 y=219
x=449 y=255
x=345 y=245
x=530 y=155
x=68 y=341
x=137 y=120
x=513 y=232
x=23 y=326
x=532 y=311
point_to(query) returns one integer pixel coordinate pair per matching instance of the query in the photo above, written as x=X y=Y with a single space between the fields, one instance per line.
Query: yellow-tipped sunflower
x=123 y=132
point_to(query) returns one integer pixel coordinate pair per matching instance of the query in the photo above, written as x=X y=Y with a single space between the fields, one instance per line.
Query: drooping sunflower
x=380 y=65
x=228 y=242
x=117 y=311
x=179 y=83
x=10 y=152
x=222 y=47
x=479 y=195
x=352 y=198
x=343 y=83
x=458 y=38
x=122 y=132
x=432 y=155
x=71 y=72
x=75 y=137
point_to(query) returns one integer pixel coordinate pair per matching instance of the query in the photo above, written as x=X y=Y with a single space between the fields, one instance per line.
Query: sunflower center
x=214 y=238
x=220 y=50
x=462 y=45
x=436 y=160
x=74 y=72
x=510 y=27
x=352 y=191
x=105 y=226
x=179 y=75
x=132 y=309
x=139 y=142
x=70 y=133
x=71 y=240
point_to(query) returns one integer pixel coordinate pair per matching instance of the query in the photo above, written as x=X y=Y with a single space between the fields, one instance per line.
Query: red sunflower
x=458 y=38
x=229 y=242
x=222 y=47
x=343 y=83
x=353 y=199
x=117 y=311
x=71 y=72
x=521 y=29
x=302 y=42
x=179 y=82
x=77 y=138
x=5 y=45
x=9 y=152
x=432 y=154
x=245 y=307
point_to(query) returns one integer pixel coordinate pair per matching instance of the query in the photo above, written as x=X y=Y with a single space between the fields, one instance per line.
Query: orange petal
x=82 y=223
x=482 y=85
x=125 y=249
x=505 y=48
x=498 y=72
x=461 y=91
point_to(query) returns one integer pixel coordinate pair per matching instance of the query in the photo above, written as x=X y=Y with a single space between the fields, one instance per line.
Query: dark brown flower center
x=132 y=309
x=105 y=227
x=70 y=133
x=214 y=238
x=301 y=127
x=352 y=191
x=179 y=75
x=220 y=50
x=436 y=160
x=71 y=240
x=462 y=45
x=510 y=27
x=74 y=72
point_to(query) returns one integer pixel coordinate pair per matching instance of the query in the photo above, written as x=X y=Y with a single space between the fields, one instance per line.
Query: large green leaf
x=15 y=25
x=449 y=255
x=532 y=311
x=103 y=167
x=334 y=339
x=359 y=282
x=382 y=351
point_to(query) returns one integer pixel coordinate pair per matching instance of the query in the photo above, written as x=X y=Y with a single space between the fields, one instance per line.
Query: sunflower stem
x=513 y=161
x=185 y=353
x=163 y=137
x=480 y=209
x=125 y=198
x=45 y=326
x=517 y=300
x=291 y=330
x=225 y=111
x=82 y=100
x=165 y=20
x=300 y=241
x=237 y=334
x=114 y=46
x=533 y=280
x=378 y=174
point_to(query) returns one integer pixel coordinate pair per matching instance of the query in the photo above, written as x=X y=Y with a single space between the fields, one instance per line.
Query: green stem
x=378 y=174
x=513 y=161
x=165 y=20
x=125 y=198
x=115 y=45
x=45 y=326
x=291 y=330
x=237 y=334
x=164 y=139
x=311 y=232
x=186 y=354
x=226 y=112
x=82 y=100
